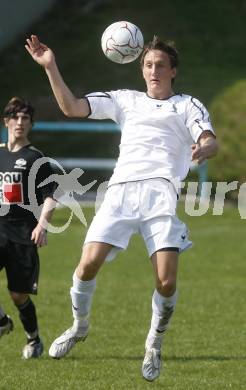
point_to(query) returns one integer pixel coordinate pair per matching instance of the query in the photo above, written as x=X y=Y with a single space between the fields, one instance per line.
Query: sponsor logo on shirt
x=20 y=163
x=11 y=190
x=173 y=109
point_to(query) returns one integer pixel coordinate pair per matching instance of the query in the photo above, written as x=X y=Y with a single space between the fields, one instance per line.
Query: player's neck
x=163 y=94
x=16 y=144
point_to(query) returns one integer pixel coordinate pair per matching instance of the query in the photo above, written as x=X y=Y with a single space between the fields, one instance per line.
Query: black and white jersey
x=17 y=185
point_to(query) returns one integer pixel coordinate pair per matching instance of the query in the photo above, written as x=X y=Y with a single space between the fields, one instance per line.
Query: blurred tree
x=228 y=112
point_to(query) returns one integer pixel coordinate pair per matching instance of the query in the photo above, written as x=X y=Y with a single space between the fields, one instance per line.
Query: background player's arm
x=39 y=234
x=206 y=147
x=68 y=103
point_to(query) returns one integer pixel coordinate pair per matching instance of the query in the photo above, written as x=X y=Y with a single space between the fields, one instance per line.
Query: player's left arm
x=45 y=196
x=39 y=233
x=205 y=148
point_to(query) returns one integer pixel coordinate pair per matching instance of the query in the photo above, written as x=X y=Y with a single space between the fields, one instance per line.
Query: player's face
x=18 y=125
x=158 y=74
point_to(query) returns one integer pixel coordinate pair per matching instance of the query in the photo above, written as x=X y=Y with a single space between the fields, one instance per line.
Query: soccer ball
x=122 y=42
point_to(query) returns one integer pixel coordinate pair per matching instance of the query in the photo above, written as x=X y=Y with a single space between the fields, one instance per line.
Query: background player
x=161 y=132
x=20 y=233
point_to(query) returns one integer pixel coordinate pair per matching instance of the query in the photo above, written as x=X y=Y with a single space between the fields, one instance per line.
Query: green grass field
x=205 y=346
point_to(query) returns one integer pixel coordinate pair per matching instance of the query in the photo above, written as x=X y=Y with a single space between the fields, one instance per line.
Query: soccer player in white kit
x=161 y=133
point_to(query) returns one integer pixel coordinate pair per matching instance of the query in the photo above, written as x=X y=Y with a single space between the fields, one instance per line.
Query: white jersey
x=156 y=134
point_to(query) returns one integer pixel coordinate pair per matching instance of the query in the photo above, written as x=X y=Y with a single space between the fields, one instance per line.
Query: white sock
x=162 y=310
x=32 y=335
x=81 y=294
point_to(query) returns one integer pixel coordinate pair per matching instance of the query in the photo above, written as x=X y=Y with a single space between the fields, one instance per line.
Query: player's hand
x=39 y=236
x=40 y=52
x=205 y=148
x=198 y=154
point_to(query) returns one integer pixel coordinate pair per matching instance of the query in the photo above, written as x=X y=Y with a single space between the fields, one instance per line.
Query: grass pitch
x=204 y=348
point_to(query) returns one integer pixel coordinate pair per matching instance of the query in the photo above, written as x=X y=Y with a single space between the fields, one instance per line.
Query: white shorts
x=147 y=207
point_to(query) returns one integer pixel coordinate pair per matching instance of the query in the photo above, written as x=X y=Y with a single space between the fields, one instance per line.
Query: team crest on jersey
x=11 y=190
x=20 y=163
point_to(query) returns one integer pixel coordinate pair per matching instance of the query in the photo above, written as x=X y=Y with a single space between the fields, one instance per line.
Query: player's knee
x=87 y=272
x=87 y=269
x=90 y=263
x=166 y=287
x=18 y=298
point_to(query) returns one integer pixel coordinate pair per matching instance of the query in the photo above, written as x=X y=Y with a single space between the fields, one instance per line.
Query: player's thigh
x=164 y=232
x=165 y=265
x=92 y=258
x=22 y=268
x=110 y=229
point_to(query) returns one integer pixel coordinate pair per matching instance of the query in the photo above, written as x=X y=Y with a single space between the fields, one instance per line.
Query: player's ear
x=174 y=72
x=143 y=75
x=6 y=121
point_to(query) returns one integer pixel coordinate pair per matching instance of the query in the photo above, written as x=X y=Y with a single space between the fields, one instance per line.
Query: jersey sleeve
x=103 y=105
x=197 y=119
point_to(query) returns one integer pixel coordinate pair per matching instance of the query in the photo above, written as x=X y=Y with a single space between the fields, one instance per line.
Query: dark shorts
x=21 y=263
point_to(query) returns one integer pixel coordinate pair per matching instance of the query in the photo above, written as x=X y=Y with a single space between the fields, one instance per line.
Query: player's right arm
x=68 y=103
